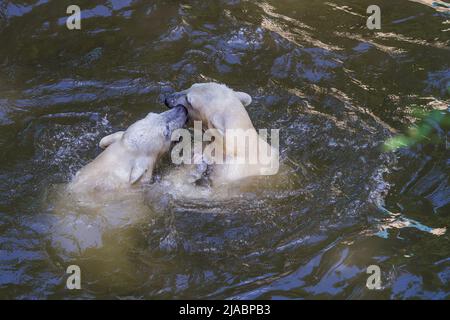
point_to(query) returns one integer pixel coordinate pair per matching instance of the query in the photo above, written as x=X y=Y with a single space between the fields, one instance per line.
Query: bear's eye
x=188 y=101
x=166 y=131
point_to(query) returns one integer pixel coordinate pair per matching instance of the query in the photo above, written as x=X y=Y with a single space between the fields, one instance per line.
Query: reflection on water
x=336 y=90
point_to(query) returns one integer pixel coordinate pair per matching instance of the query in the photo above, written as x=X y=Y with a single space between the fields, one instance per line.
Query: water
x=335 y=89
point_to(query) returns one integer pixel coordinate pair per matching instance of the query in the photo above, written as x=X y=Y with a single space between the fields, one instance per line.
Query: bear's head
x=204 y=100
x=152 y=135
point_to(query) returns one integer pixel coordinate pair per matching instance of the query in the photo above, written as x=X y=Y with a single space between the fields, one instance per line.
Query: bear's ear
x=106 y=141
x=139 y=168
x=244 y=98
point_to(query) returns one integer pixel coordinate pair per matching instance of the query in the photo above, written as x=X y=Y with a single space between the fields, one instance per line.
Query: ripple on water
x=312 y=232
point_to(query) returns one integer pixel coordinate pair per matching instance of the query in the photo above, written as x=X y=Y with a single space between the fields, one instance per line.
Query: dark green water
x=336 y=91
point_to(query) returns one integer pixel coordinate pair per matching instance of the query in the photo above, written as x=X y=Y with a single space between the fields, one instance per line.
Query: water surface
x=335 y=89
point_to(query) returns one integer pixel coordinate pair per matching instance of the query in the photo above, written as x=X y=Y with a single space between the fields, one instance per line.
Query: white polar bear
x=107 y=194
x=223 y=109
x=131 y=155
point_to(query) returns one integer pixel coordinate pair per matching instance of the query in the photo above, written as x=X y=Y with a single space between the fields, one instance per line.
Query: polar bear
x=130 y=156
x=221 y=108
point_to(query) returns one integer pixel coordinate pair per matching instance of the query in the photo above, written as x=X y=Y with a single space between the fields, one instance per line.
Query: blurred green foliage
x=431 y=127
